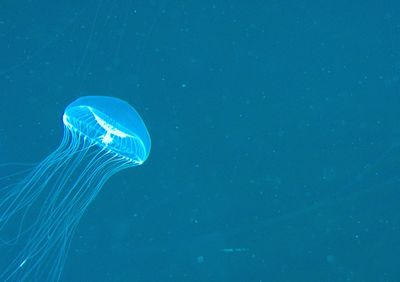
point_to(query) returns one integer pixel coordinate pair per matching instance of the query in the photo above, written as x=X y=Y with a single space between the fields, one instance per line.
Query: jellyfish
x=40 y=212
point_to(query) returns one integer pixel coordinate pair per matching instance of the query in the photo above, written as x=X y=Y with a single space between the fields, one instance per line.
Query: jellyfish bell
x=102 y=135
x=110 y=123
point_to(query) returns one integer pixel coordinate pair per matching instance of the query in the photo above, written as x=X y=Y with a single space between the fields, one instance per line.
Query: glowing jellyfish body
x=38 y=215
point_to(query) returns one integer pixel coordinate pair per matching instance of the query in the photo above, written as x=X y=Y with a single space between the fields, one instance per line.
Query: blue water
x=275 y=133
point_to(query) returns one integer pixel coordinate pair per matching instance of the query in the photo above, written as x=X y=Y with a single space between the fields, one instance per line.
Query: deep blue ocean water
x=275 y=133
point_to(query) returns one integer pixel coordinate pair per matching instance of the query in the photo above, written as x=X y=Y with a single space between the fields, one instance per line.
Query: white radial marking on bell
x=109 y=129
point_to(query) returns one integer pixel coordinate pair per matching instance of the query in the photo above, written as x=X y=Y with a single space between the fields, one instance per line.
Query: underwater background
x=275 y=133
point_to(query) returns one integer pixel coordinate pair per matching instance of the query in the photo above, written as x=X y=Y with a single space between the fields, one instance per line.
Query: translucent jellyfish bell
x=38 y=214
x=110 y=123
